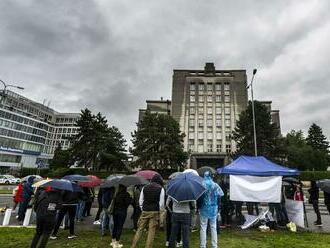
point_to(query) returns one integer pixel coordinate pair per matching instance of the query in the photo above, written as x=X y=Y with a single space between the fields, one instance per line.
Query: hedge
x=314 y=175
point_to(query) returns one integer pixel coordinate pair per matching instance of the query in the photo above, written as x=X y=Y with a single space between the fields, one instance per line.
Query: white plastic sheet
x=255 y=189
x=295 y=210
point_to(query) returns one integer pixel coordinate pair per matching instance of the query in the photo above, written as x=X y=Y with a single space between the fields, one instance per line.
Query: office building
x=30 y=131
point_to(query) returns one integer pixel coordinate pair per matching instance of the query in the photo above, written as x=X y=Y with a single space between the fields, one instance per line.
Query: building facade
x=30 y=131
x=207 y=103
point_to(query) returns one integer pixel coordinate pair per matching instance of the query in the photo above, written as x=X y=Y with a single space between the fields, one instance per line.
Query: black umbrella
x=204 y=169
x=111 y=182
x=132 y=180
x=324 y=185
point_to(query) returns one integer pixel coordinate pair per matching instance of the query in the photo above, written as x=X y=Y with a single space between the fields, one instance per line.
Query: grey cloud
x=112 y=55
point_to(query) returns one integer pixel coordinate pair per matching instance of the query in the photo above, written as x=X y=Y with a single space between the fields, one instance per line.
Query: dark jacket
x=107 y=197
x=71 y=198
x=326 y=198
x=122 y=201
x=151 y=197
x=27 y=189
x=313 y=194
x=47 y=203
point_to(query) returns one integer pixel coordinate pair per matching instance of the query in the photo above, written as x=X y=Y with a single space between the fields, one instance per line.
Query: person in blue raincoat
x=27 y=194
x=209 y=206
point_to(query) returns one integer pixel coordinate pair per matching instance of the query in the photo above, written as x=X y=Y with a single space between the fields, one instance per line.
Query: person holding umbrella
x=209 y=206
x=314 y=200
x=121 y=202
x=27 y=194
x=151 y=201
x=46 y=203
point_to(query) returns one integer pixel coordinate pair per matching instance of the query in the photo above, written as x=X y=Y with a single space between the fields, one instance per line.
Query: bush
x=314 y=175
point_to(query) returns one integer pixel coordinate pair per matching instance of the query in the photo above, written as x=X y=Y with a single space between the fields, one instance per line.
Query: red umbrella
x=147 y=174
x=92 y=181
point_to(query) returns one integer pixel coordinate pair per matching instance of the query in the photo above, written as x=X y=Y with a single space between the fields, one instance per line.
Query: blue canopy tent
x=256 y=166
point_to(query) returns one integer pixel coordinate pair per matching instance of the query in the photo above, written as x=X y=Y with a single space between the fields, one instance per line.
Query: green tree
x=61 y=158
x=269 y=142
x=299 y=154
x=158 y=143
x=96 y=145
x=317 y=139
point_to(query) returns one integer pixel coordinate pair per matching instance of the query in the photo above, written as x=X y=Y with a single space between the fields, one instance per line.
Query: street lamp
x=253 y=114
x=5 y=86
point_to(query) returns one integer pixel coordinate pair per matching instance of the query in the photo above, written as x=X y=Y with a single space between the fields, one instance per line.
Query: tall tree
x=96 y=145
x=268 y=139
x=61 y=158
x=317 y=139
x=158 y=143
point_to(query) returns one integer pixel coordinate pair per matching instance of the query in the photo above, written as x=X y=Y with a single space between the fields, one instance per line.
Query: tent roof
x=256 y=166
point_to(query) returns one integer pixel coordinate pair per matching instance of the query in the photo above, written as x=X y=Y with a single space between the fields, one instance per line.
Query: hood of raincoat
x=157 y=179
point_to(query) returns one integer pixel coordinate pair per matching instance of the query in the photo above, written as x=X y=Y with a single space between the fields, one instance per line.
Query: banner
x=295 y=210
x=255 y=189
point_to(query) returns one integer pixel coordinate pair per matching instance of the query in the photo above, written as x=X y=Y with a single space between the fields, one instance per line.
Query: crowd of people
x=151 y=209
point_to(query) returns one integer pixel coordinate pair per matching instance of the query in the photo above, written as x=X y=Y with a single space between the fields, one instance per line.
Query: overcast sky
x=111 y=56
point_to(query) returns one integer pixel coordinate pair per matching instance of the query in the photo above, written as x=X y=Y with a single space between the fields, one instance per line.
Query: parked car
x=9 y=179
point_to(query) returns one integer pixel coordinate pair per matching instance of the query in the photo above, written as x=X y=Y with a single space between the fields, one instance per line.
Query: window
x=228 y=148
x=227 y=111
x=209 y=147
x=191 y=129
x=201 y=116
x=218 y=86
x=200 y=122
x=227 y=123
x=201 y=87
x=192 y=135
x=191 y=147
x=227 y=98
x=209 y=87
x=200 y=110
x=218 y=135
x=228 y=136
x=200 y=148
x=201 y=135
x=192 y=93
x=192 y=86
x=209 y=135
x=192 y=98
x=218 y=110
x=227 y=86
x=209 y=99
x=218 y=98
x=210 y=117
x=201 y=98
x=218 y=123
x=192 y=110
x=227 y=93
x=209 y=122
x=191 y=123
x=218 y=147
x=209 y=110
x=227 y=117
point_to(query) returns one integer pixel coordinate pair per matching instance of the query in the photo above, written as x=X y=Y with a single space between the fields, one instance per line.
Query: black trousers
x=169 y=227
x=71 y=210
x=317 y=211
x=118 y=224
x=180 y=223
x=99 y=211
x=45 y=225
x=87 y=208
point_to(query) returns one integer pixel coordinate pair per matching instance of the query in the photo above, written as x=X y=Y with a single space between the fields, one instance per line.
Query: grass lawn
x=6 y=191
x=21 y=237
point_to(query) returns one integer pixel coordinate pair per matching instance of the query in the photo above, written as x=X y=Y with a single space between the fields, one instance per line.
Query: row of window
x=209 y=148
x=22 y=145
x=7 y=158
x=209 y=86
x=201 y=99
x=22 y=128
x=209 y=123
x=22 y=136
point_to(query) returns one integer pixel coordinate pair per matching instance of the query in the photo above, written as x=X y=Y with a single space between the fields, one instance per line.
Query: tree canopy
x=317 y=139
x=158 y=143
x=269 y=143
x=97 y=145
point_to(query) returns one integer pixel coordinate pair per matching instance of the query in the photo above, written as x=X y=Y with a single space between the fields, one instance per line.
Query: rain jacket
x=27 y=189
x=210 y=200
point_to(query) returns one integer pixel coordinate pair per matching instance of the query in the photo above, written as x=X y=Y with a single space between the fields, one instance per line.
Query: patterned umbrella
x=147 y=174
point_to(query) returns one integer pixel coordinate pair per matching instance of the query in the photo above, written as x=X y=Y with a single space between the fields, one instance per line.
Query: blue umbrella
x=76 y=177
x=186 y=187
x=61 y=184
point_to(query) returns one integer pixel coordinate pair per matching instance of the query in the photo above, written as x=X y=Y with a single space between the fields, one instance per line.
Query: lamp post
x=5 y=86
x=253 y=114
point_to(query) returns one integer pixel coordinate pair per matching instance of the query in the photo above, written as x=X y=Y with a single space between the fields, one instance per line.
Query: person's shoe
x=179 y=244
x=113 y=243
x=72 y=236
x=167 y=244
x=119 y=245
x=97 y=222
x=53 y=237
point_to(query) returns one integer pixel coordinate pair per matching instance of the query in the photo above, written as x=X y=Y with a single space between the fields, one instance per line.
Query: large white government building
x=31 y=131
x=207 y=103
